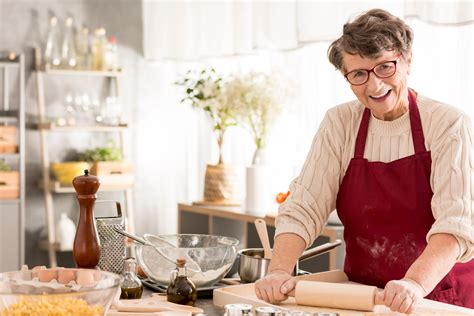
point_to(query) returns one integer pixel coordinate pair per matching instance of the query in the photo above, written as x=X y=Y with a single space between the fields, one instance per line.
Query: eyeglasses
x=383 y=70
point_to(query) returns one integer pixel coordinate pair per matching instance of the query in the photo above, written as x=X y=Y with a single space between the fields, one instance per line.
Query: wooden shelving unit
x=50 y=186
x=12 y=211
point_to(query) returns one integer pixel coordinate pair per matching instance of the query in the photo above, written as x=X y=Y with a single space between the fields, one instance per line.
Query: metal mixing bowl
x=214 y=255
x=93 y=296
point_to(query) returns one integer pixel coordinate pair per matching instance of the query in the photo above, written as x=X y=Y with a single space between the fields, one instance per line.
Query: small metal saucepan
x=253 y=266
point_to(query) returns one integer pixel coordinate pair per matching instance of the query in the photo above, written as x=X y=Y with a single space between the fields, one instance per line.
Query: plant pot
x=113 y=172
x=221 y=184
x=65 y=172
x=9 y=185
x=8 y=139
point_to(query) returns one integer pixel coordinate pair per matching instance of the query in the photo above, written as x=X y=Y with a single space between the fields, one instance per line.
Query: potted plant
x=204 y=90
x=107 y=163
x=257 y=100
x=9 y=182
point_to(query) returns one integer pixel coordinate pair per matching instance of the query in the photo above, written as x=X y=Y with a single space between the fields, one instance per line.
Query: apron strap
x=362 y=134
x=415 y=123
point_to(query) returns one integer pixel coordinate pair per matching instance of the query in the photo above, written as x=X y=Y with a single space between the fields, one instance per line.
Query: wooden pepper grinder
x=86 y=250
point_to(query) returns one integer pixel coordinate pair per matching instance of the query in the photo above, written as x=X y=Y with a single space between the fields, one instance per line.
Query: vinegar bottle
x=131 y=286
x=181 y=290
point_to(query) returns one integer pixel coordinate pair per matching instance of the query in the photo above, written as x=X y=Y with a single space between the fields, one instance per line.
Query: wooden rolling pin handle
x=377 y=300
x=336 y=295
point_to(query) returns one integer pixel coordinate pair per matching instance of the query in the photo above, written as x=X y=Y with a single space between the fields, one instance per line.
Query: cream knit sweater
x=448 y=135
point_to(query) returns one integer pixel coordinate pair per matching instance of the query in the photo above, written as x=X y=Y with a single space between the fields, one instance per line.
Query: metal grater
x=112 y=244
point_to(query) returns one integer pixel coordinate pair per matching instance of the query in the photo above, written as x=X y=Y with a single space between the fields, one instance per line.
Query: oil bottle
x=132 y=287
x=181 y=290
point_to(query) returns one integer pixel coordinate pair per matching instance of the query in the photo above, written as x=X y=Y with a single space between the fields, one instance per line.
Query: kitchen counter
x=205 y=303
x=209 y=308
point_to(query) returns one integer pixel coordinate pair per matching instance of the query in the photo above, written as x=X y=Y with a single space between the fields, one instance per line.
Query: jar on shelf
x=111 y=55
x=68 y=49
x=66 y=230
x=83 y=49
x=98 y=49
x=52 y=52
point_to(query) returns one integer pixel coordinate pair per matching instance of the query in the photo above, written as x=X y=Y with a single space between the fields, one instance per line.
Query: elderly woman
x=398 y=168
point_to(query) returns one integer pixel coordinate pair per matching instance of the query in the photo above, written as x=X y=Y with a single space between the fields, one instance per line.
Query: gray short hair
x=369 y=35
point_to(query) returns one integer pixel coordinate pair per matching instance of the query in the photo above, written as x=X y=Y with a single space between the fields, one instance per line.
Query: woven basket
x=221 y=184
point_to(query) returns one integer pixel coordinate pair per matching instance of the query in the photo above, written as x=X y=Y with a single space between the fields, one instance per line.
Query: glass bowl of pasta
x=58 y=291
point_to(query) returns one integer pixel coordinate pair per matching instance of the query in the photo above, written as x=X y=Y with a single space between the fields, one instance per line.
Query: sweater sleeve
x=313 y=193
x=452 y=181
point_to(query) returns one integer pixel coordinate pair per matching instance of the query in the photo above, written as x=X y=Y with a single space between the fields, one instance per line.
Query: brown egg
x=85 y=277
x=65 y=276
x=47 y=275
x=34 y=271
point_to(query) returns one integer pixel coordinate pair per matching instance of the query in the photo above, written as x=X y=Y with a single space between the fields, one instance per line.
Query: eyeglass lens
x=361 y=76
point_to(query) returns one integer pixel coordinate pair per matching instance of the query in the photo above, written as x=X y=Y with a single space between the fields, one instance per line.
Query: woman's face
x=387 y=98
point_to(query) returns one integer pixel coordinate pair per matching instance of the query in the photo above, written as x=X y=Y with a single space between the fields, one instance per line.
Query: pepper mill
x=86 y=250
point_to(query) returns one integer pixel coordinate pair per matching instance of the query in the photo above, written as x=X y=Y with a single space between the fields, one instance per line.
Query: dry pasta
x=52 y=306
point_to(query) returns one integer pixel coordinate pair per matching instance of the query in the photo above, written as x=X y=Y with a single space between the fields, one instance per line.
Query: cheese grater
x=112 y=244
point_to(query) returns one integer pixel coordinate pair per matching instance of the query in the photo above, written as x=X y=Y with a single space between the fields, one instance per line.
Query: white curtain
x=298 y=34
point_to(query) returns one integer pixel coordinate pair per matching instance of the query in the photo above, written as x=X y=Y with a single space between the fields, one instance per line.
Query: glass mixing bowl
x=61 y=291
x=213 y=255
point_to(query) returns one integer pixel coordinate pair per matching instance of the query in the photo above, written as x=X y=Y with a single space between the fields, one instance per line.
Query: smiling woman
x=385 y=162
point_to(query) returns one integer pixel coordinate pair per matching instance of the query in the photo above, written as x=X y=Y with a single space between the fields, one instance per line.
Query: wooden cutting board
x=245 y=294
x=154 y=305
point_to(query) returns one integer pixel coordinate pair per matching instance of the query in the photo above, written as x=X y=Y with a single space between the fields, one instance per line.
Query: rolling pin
x=336 y=295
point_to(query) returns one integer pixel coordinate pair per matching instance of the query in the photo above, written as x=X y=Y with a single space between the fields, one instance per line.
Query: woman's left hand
x=401 y=295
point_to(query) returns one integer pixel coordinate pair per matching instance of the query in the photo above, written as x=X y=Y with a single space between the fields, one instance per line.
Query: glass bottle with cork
x=131 y=286
x=181 y=290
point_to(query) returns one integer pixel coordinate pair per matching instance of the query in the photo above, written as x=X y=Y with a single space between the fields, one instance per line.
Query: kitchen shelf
x=82 y=128
x=56 y=187
x=46 y=128
x=9 y=64
x=8 y=114
x=12 y=223
x=87 y=73
x=10 y=201
x=10 y=156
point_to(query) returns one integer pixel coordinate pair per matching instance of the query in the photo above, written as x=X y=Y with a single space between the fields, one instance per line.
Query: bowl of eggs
x=59 y=291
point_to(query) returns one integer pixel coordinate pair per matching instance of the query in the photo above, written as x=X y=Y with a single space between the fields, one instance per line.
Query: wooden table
x=236 y=222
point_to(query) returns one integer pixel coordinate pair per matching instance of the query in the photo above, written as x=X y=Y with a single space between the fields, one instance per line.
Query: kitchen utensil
x=261 y=227
x=215 y=256
x=86 y=249
x=336 y=295
x=112 y=244
x=254 y=266
x=246 y=293
x=155 y=303
x=157 y=241
x=97 y=288
x=142 y=241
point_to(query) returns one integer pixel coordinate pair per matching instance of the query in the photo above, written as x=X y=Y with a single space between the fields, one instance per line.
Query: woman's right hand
x=275 y=286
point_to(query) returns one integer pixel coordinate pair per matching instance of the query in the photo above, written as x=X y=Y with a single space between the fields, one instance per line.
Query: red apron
x=386 y=212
